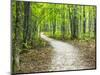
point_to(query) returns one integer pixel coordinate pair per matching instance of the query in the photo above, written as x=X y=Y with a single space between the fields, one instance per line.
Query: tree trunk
x=84 y=21
x=26 y=22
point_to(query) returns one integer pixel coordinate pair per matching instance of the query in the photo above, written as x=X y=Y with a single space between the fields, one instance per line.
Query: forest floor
x=35 y=60
x=70 y=55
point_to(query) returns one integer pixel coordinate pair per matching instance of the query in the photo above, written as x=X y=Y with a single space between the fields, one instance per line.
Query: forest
x=72 y=23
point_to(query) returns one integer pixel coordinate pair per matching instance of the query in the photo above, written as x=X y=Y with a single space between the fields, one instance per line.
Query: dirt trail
x=65 y=56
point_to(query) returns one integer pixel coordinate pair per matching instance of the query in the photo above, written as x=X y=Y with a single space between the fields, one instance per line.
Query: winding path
x=65 y=56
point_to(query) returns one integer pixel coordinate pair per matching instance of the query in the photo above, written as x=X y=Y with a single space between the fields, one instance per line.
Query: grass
x=57 y=35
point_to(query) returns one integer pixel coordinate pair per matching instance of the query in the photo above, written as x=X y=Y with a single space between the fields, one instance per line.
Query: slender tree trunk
x=63 y=23
x=26 y=22
x=54 y=23
x=17 y=39
x=84 y=21
x=75 y=23
x=89 y=24
x=71 y=21
x=80 y=28
x=95 y=21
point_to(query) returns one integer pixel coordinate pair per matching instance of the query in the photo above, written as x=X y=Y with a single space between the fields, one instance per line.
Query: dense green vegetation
x=59 y=21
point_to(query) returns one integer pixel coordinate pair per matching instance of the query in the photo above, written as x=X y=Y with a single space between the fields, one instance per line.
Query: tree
x=26 y=23
x=84 y=20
